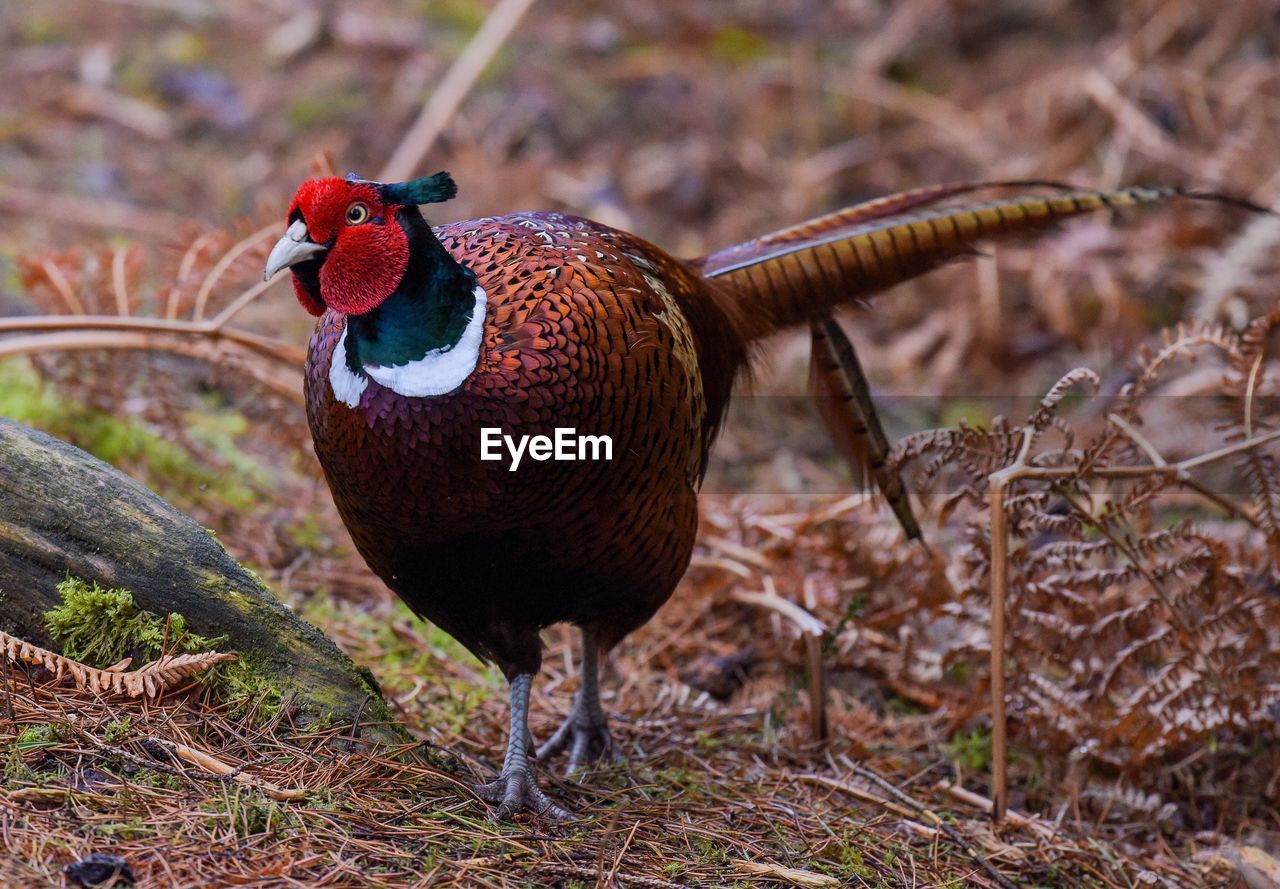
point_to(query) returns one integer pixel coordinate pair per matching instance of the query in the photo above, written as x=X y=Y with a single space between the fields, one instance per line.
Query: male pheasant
x=533 y=321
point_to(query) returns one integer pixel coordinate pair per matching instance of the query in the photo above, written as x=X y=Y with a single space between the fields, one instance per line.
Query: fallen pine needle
x=858 y=793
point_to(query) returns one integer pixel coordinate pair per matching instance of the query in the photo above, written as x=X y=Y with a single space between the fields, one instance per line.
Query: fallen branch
x=793 y=876
x=1035 y=825
x=63 y=512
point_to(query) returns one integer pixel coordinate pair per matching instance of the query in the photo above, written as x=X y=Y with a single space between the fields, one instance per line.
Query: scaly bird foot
x=517 y=791
x=590 y=737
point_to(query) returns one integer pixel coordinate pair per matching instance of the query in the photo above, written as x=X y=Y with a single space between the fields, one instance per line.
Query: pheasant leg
x=585 y=731
x=516 y=789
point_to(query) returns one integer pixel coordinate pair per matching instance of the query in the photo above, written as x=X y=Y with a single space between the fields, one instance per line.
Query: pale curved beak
x=296 y=246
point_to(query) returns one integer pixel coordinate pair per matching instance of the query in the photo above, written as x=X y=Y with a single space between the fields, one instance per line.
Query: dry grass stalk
x=812 y=632
x=445 y=99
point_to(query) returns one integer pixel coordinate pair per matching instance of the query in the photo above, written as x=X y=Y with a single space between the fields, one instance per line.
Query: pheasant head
x=414 y=314
x=349 y=240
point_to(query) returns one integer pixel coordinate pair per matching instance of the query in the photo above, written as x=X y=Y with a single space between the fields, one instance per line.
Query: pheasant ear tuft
x=427 y=190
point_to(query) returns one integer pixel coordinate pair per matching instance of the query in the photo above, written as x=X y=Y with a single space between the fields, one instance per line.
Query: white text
x=565 y=445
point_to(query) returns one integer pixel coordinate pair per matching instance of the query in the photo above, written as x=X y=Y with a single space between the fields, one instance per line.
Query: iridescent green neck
x=406 y=328
x=428 y=311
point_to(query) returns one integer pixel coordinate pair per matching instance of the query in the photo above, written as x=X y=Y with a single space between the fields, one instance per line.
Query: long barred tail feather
x=799 y=274
x=845 y=405
x=802 y=273
x=888 y=205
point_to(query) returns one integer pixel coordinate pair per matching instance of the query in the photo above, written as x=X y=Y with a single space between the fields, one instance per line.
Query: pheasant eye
x=357 y=214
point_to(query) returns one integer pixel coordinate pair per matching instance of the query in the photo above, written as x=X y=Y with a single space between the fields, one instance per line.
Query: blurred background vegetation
x=694 y=124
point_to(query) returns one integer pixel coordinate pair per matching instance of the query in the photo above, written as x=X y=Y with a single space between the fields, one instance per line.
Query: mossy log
x=63 y=512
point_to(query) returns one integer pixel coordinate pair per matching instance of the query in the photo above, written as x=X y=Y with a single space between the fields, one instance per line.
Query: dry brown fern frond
x=149 y=680
x=95 y=308
x=1251 y=386
x=99 y=302
x=1138 y=615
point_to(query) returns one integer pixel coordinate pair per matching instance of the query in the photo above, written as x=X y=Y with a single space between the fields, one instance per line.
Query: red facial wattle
x=306 y=299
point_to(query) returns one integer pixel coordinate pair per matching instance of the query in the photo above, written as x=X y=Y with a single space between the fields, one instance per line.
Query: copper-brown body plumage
x=590 y=329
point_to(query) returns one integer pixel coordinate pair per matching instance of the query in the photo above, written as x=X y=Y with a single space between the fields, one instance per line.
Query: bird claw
x=516 y=791
x=590 y=739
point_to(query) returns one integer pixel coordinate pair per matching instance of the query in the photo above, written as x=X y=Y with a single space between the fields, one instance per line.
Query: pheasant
x=429 y=340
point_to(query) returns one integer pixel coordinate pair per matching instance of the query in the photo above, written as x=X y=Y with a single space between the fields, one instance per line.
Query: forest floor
x=140 y=140
x=712 y=792
x=723 y=782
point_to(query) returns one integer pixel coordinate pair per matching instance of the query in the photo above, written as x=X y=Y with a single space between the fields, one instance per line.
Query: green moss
x=101 y=627
x=36 y=737
x=133 y=829
x=706 y=742
x=675 y=782
x=27 y=748
x=903 y=707
x=852 y=863
x=313 y=112
x=15 y=769
x=117 y=730
x=249 y=813
x=130 y=444
x=402 y=664
x=971 y=411
x=462 y=15
x=218 y=429
x=242 y=686
x=970 y=750
x=709 y=851
x=306 y=532
x=738 y=46
x=38 y=28
x=186 y=47
x=154 y=778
